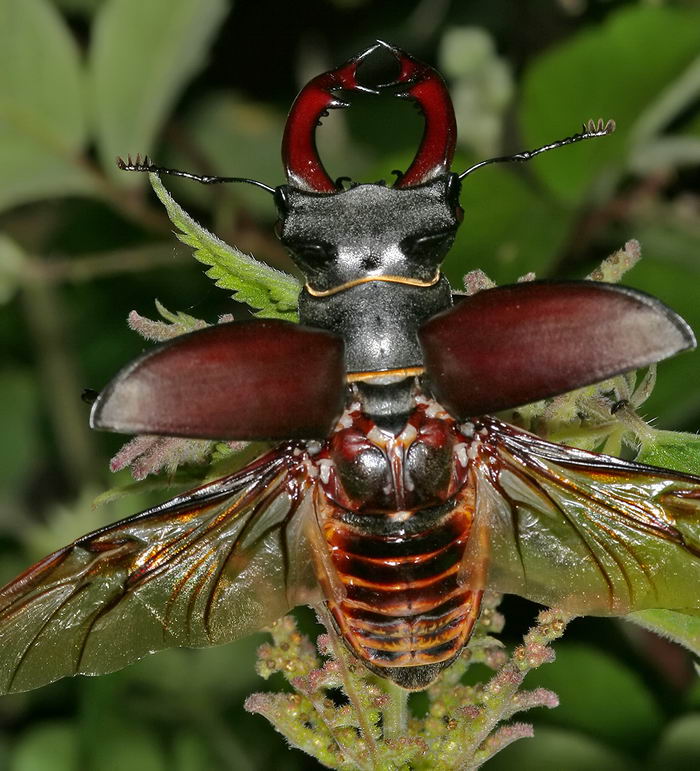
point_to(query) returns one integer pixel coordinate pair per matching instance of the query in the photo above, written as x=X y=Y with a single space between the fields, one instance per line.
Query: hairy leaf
x=683 y=628
x=271 y=293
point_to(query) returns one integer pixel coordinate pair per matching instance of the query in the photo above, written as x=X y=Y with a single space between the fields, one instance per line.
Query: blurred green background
x=205 y=85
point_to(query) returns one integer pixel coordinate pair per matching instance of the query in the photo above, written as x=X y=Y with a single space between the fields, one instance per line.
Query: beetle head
x=338 y=236
x=370 y=231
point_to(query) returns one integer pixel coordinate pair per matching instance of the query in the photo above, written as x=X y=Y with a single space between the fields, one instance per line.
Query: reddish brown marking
x=437 y=146
x=231 y=381
x=508 y=346
x=299 y=154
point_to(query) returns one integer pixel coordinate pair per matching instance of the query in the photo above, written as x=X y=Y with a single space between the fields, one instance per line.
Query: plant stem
x=105 y=264
x=325 y=618
x=396 y=712
x=45 y=317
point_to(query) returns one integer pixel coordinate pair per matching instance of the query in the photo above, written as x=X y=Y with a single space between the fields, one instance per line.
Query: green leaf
x=12 y=259
x=270 y=292
x=86 y=7
x=679 y=749
x=186 y=322
x=20 y=435
x=235 y=137
x=141 y=57
x=42 y=111
x=48 y=745
x=585 y=679
x=509 y=228
x=681 y=452
x=556 y=749
x=114 y=741
x=190 y=753
x=603 y=72
x=672 y=449
x=683 y=628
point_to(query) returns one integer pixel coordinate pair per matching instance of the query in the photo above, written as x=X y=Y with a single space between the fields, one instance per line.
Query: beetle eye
x=428 y=247
x=312 y=254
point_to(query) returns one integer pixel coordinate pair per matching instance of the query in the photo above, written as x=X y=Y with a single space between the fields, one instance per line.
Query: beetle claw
x=416 y=81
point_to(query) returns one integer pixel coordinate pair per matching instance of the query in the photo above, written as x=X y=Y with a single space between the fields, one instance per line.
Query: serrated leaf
x=683 y=628
x=43 y=124
x=271 y=293
x=142 y=55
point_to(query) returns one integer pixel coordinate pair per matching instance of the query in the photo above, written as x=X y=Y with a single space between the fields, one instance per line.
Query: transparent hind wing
x=202 y=569
x=583 y=532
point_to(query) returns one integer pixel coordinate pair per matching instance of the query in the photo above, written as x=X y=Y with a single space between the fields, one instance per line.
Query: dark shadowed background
x=205 y=85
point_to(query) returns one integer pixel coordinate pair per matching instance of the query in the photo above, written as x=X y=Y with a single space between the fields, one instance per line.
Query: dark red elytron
x=391 y=497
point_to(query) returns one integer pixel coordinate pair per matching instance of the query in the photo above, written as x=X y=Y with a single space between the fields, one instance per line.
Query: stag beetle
x=392 y=499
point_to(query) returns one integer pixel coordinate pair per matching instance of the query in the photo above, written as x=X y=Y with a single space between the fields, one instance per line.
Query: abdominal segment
x=395 y=575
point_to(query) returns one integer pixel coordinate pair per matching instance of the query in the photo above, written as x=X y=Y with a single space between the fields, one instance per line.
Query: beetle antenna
x=590 y=129
x=146 y=165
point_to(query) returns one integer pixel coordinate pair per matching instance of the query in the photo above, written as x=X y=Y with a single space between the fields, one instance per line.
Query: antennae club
x=146 y=165
x=591 y=129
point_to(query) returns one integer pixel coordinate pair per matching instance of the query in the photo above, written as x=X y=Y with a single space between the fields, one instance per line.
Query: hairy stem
x=396 y=711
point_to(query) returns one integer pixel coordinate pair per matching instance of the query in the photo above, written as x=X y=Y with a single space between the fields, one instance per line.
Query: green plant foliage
x=51 y=745
x=12 y=263
x=683 y=628
x=679 y=748
x=234 y=133
x=43 y=126
x=80 y=6
x=591 y=75
x=20 y=441
x=105 y=749
x=373 y=727
x=585 y=703
x=271 y=293
x=554 y=748
x=141 y=56
x=509 y=228
x=204 y=85
x=672 y=449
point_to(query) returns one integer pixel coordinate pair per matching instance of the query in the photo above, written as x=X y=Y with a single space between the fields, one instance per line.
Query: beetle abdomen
x=396 y=517
x=405 y=605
